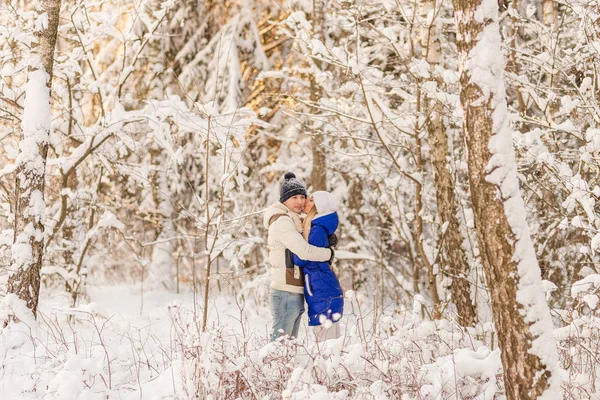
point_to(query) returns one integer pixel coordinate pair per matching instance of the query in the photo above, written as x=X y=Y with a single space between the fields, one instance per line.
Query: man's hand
x=333 y=240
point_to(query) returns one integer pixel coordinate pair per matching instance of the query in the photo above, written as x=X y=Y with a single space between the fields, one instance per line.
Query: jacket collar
x=280 y=208
x=329 y=222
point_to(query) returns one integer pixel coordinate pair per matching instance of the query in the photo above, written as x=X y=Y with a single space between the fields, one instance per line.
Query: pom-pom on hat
x=291 y=187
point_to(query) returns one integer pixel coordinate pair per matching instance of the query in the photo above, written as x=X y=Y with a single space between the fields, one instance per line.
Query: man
x=287 y=285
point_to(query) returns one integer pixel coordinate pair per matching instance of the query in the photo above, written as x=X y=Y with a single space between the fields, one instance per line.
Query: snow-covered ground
x=127 y=345
x=122 y=344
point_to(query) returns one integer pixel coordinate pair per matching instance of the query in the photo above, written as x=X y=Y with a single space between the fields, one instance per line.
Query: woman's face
x=310 y=203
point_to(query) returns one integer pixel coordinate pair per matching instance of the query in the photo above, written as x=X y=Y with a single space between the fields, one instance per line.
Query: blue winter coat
x=322 y=289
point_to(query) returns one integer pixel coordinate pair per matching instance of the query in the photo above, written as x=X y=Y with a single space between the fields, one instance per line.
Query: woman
x=322 y=289
x=283 y=222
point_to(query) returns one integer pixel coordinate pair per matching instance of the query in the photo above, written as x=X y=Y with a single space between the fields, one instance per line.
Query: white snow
x=130 y=341
x=110 y=220
x=585 y=284
x=36 y=123
x=31 y=165
x=132 y=344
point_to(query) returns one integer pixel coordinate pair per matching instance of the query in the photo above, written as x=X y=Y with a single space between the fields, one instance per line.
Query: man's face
x=295 y=203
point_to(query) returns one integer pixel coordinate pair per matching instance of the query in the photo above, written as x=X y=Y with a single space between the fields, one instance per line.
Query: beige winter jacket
x=285 y=233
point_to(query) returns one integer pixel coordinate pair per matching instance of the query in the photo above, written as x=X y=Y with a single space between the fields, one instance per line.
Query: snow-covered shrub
x=81 y=354
x=400 y=358
x=579 y=340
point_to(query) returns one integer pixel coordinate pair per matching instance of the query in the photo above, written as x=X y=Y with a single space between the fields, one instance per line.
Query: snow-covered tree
x=455 y=265
x=30 y=205
x=521 y=315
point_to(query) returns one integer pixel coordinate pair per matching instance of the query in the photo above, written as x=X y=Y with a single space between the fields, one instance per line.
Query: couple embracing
x=300 y=255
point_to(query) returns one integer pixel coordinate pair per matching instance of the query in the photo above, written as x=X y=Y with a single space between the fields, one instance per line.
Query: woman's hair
x=307 y=222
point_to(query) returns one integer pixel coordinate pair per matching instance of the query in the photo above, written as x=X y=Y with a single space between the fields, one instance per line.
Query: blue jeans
x=287 y=309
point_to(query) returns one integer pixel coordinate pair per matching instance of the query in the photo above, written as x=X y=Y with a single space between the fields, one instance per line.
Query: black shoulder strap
x=275 y=218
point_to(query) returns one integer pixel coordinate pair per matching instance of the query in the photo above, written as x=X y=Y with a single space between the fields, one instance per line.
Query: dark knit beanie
x=291 y=187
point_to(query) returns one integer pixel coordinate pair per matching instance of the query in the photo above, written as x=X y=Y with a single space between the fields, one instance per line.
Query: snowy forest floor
x=125 y=344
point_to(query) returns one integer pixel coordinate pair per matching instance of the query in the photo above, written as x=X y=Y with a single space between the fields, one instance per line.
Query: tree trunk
x=319 y=167
x=431 y=47
x=438 y=141
x=447 y=207
x=160 y=270
x=550 y=12
x=28 y=247
x=431 y=271
x=521 y=315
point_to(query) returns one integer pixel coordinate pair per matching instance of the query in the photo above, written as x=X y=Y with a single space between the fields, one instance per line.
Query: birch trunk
x=550 y=12
x=319 y=167
x=28 y=246
x=431 y=270
x=521 y=315
x=457 y=267
x=160 y=270
x=425 y=25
